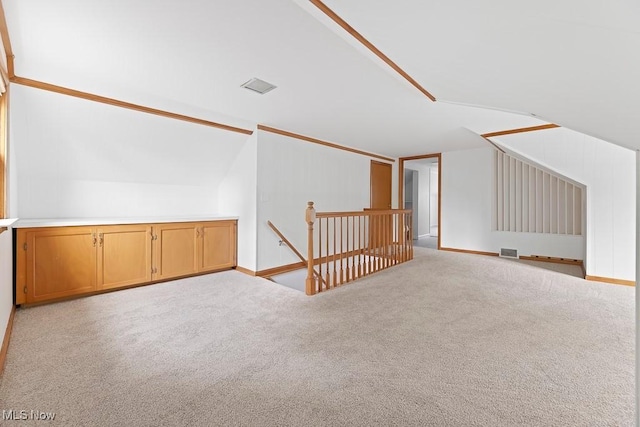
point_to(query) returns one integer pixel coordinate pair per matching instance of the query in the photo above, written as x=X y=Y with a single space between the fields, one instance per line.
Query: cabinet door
x=174 y=250
x=124 y=255
x=217 y=246
x=61 y=262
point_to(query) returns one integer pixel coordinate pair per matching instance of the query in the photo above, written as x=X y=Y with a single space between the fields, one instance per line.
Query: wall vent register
x=508 y=253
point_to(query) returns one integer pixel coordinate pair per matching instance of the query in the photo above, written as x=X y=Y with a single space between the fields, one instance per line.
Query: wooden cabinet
x=217 y=245
x=59 y=262
x=189 y=248
x=174 y=250
x=124 y=255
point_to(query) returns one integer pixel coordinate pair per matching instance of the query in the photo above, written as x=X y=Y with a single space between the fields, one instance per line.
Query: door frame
x=401 y=161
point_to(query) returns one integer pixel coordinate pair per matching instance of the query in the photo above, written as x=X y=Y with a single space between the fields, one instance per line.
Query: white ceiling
x=190 y=57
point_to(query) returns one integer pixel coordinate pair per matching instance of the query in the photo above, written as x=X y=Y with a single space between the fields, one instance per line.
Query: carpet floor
x=447 y=339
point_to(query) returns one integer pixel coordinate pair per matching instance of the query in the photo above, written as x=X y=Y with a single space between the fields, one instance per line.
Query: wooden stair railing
x=351 y=245
x=290 y=245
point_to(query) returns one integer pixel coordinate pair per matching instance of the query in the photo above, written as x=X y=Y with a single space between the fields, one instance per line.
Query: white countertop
x=7 y=222
x=70 y=222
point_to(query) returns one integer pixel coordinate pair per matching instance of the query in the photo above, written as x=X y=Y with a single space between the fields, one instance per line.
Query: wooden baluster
x=372 y=230
x=334 y=253
x=383 y=237
x=326 y=254
x=363 y=258
x=385 y=231
x=377 y=240
x=367 y=236
x=398 y=248
x=404 y=237
x=392 y=234
x=401 y=235
x=341 y=251
x=382 y=232
x=348 y=268
x=383 y=219
x=411 y=235
x=310 y=217
x=353 y=248
x=320 y=254
x=387 y=259
x=356 y=248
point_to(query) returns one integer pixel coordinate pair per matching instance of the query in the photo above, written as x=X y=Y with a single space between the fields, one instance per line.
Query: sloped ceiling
x=574 y=62
x=190 y=57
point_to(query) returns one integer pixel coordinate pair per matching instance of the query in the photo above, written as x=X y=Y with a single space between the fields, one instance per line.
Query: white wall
x=433 y=198
x=423 y=196
x=467 y=211
x=76 y=158
x=6 y=279
x=292 y=172
x=6 y=241
x=609 y=174
x=238 y=197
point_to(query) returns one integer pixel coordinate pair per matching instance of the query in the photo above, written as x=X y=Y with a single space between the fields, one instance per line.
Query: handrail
x=290 y=245
x=354 y=244
x=360 y=213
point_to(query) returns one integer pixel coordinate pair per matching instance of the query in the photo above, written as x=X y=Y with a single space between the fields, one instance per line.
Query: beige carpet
x=446 y=340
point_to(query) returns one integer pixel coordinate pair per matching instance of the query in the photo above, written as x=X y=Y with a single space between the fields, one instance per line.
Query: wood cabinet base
x=57 y=263
x=109 y=290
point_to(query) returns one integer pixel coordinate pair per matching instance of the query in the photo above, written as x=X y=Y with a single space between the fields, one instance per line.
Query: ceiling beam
x=519 y=130
x=341 y=22
x=122 y=104
x=320 y=142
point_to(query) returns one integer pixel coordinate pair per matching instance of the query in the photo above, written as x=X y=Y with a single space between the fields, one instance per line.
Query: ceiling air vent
x=509 y=253
x=258 y=85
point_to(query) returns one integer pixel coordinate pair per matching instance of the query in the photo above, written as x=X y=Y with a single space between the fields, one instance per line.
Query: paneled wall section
x=530 y=199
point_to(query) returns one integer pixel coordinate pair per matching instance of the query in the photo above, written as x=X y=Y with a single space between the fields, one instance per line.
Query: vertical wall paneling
x=562 y=213
x=499 y=190
x=577 y=211
x=505 y=205
x=553 y=211
x=512 y=194
x=532 y=200
x=518 y=194
x=529 y=199
x=539 y=198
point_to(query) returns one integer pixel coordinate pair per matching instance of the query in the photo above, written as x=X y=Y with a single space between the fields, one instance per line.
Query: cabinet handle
x=95 y=240
x=101 y=239
x=202 y=231
x=197 y=232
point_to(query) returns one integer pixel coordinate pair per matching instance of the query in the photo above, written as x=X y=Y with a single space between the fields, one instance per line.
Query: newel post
x=310 y=218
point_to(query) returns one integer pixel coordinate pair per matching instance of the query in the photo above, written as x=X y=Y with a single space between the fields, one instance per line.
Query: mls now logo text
x=25 y=415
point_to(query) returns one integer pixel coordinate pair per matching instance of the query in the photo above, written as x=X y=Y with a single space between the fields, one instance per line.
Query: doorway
x=380 y=185
x=380 y=188
x=419 y=190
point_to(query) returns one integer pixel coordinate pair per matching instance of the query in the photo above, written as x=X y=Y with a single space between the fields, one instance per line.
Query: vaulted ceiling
x=575 y=64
